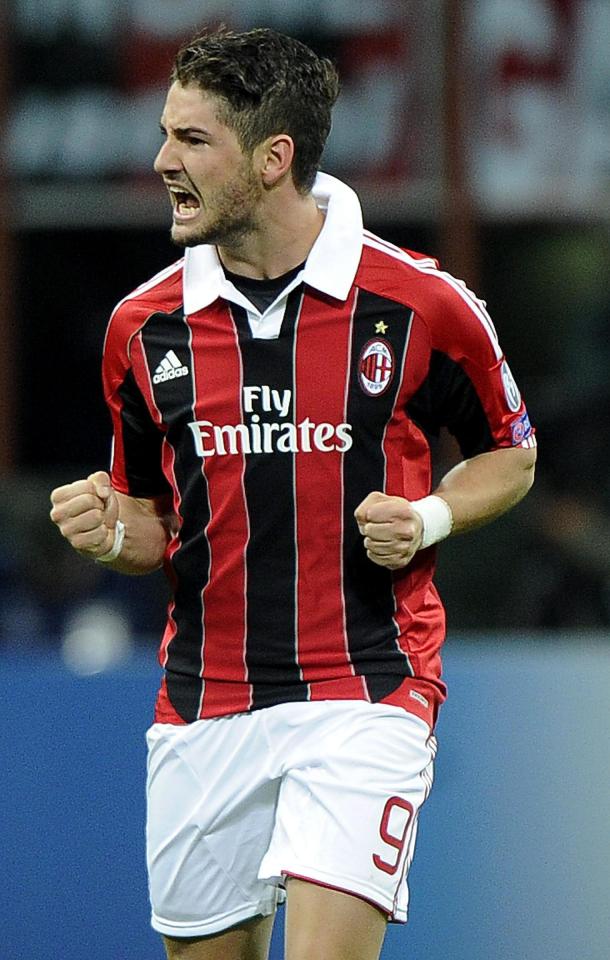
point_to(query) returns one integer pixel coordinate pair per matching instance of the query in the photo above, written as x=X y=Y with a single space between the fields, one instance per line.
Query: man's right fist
x=86 y=513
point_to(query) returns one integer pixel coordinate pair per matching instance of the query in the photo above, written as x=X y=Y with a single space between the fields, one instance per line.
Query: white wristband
x=437 y=519
x=117 y=546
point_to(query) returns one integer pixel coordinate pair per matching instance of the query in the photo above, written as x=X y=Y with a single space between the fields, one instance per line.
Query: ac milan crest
x=376 y=367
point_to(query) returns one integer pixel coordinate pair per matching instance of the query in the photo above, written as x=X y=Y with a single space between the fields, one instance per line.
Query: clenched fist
x=86 y=513
x=391 y=528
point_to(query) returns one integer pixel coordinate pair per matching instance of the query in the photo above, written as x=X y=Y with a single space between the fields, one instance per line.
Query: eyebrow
x=185 y=131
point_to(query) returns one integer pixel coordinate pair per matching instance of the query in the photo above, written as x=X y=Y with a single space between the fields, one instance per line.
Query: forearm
x=148 y=527
x=483 y=488
x=477 y=491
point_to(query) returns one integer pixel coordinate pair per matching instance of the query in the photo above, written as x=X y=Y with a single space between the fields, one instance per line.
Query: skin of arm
x=87 y=511
x=477 y=490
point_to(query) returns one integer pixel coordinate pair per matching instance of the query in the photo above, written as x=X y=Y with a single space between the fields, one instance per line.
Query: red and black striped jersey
x=268 y=430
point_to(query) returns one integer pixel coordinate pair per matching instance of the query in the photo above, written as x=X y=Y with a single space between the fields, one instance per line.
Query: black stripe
x=447 y=398
x=142 y=441
x=369 y=599
x=271 y=550
x=191 y=562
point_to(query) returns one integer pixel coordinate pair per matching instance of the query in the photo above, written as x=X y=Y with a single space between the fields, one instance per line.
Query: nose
x=167 y=159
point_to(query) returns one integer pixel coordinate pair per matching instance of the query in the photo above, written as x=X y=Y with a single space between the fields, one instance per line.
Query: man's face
x=214 y=192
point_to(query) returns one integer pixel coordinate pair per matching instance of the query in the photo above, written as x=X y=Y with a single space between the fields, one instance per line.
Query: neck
x=289 y=226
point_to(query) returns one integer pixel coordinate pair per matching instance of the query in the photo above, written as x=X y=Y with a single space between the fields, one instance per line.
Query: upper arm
x=469 y=387
x=137 y=447
x=137 y=455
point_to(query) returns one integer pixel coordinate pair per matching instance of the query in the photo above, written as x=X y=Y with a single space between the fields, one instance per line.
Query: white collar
x=330 y=267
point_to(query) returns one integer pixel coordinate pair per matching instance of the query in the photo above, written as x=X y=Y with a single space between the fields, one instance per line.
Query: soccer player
x=273 y=395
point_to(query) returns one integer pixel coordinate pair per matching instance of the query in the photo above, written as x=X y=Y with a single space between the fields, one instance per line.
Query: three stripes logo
x=170 y=368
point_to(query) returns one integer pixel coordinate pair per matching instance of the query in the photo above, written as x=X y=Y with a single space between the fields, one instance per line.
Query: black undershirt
x=262 y=293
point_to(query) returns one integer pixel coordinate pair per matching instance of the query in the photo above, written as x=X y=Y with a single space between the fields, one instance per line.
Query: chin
x=183 y=238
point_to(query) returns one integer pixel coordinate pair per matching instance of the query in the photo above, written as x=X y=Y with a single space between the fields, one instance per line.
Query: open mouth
x=186 y=205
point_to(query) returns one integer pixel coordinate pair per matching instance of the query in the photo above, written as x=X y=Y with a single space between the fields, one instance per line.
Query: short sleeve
x=469 y=387
x=137 y=446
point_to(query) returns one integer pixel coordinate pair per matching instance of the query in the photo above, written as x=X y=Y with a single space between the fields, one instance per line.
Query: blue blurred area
x=514 y=847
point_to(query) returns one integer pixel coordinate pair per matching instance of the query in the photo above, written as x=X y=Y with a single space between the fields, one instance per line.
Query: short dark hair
x=268 y=83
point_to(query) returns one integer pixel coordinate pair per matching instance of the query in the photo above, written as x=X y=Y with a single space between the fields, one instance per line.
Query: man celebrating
x=273 y=395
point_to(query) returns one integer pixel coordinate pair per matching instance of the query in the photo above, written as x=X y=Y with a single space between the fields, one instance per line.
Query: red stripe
x=169 y=458
x=408 y=860
x=168 y=635
x=118 y=467
x=419 y=613
x=142 y=374
x=321 y=370
x=416 y=483
x=129 y=316
x=218 y=381
x=433 y=695
x=344 y=688
x=164 y=711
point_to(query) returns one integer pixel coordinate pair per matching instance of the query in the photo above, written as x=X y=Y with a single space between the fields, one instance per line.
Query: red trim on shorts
x=332 y=886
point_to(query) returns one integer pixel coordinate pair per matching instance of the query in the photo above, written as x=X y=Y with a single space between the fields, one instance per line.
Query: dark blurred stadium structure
x=478 y=132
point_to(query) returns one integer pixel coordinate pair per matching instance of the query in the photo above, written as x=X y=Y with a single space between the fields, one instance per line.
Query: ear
x=277 y=154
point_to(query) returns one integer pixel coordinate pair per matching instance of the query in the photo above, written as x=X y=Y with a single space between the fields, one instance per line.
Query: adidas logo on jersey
x=170 y=368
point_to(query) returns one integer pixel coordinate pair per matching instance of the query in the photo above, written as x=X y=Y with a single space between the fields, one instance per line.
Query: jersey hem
x=416 y=698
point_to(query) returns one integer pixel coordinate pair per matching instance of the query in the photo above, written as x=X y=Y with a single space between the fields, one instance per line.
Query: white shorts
x=328 y=792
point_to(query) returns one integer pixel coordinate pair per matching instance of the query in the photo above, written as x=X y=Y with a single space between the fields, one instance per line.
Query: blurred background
x=474 y=130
